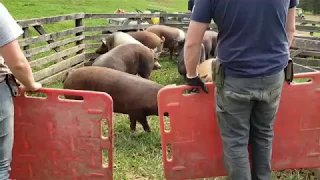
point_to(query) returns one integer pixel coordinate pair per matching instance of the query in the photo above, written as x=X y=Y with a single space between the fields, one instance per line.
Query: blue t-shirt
x=252 y=39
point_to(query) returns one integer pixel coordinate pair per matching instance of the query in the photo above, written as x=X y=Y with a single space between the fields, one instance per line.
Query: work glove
x=196 y=81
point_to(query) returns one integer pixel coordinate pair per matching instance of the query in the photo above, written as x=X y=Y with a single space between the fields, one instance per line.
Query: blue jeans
x=246 y=109
x=6 y=130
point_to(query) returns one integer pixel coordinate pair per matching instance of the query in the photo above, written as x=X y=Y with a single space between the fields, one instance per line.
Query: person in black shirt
x=190 y=5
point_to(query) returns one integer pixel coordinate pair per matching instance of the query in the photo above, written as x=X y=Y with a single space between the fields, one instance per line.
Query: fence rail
x=53 y=54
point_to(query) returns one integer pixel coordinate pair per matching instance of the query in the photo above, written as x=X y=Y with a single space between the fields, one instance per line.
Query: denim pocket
x=275 y=94
x=6 y=109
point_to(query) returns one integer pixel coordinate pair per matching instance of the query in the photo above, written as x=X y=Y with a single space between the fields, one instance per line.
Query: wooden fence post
x=311 y=33
x=26 y=34
x=79 y=23
x=162 y=19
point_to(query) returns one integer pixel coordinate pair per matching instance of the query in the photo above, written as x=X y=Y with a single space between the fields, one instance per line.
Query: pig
x=130 y=58
x=114 y=40
x=172 y=36
x=210 y=43
x=149 y=39
x=205 y=70
x=124 y=30
x=131 y=94
x=181 y=66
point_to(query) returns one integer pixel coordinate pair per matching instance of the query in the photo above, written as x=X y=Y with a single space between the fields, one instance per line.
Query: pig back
x=129 y=92
x=122 y=58
x=147 y=38
x=168 y=32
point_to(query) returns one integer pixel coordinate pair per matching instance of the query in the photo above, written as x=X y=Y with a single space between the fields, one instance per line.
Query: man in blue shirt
x=253 y=48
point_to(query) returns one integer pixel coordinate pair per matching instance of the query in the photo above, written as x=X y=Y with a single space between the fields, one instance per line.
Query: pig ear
x=104 y=41
x=152 y=50
x=157 y=55
x=181 y=43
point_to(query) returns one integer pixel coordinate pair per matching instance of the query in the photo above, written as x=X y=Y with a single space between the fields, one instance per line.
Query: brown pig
x=149 y=39
x=115 y=39
x=172 y=36
x=130 y=58
x=131 y=95
x=210 y=42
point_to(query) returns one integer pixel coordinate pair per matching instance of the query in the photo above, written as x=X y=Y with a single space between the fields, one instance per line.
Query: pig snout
x=102 y=49
x=156 y=65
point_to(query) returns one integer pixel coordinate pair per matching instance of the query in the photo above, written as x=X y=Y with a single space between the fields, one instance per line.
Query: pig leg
x=145 y=73
x=133 y=122
x=171 y=53
x=143 y=121
x=141 y=118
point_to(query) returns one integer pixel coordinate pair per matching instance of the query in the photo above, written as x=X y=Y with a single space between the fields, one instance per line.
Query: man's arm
x=11 y=52
x=200 y=19
x=291 y=20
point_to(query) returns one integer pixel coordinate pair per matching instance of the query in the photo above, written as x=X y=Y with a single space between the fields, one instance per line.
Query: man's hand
x=35 y=87
x=196 y=81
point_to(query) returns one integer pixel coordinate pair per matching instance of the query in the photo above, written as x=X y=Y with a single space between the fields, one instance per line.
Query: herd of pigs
x=125 y=55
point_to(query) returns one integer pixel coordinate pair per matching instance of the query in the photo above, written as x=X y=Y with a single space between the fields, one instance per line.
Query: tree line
x=310 y=5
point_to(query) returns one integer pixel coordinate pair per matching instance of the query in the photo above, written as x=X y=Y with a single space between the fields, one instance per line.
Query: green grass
x=136 y=155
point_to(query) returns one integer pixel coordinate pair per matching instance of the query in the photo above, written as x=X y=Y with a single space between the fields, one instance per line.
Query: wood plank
x=316 y=68
x=53 y=57
x=41 y=31
x=37 y=50
x=308 y=37
x=307 y=62
x=91 y=56
x=93 y=46
x=134 y=16
x=54 y=69
x=296 y=52
x=96 y=37
x=49 y=20
x=307 y=28
x=79 y=23
x=298 y=68
x=182 y=15
x=307 y=53
x=310 y=53
x=26 y=34
x=60 y=75
x=306 y=44
x=46 y=37
x=116 y=28
x=307 y=21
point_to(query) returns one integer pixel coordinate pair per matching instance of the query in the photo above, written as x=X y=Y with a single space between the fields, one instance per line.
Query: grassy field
x=137 y=155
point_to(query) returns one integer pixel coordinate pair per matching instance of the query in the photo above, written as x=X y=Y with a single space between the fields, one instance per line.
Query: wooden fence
x=52 y=54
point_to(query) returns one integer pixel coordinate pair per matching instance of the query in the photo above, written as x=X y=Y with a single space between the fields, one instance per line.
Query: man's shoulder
x=202 y=11
x=9 y=29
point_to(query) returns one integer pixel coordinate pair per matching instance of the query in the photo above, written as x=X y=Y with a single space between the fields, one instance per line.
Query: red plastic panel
x=62 y=139
x=196 y=147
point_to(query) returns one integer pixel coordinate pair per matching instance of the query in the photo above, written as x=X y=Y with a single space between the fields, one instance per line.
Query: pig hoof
x=132 y=131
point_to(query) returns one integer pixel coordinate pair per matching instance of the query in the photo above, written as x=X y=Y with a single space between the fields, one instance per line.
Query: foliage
x=310 y=5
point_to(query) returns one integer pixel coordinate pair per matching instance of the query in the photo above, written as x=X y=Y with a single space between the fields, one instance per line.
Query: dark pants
x=246 y=107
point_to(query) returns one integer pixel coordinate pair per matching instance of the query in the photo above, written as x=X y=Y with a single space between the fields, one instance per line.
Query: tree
x=310 y=5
